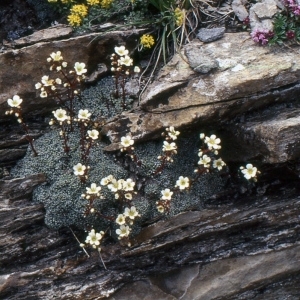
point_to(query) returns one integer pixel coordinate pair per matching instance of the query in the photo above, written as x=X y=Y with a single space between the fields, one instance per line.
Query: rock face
x=242 y=244
x=228 y=250
x=261 y=14
x=91 y=49
x=248 y=77
x=271 y=136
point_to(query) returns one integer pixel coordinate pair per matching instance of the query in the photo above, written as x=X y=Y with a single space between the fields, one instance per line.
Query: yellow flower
x=74 y=20
x=178 y=14
x=79 y=9
x=105 y=3
x=93 y=2
x=147 y=40
x=52 y=1
x=64 y=1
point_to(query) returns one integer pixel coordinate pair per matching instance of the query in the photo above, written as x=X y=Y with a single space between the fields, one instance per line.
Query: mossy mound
x=61 y=194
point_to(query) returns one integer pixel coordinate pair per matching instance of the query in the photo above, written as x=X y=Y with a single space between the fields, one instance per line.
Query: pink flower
x=290 y=34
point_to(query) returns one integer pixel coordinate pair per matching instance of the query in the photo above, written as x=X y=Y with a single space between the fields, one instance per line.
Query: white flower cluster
x=48 y=86
x=169 y=147
x=213 y=145
x=182 y=183
x=250 y=172
x=119 y=187
x=93 y=239
x=121 y=62
x=126 y=218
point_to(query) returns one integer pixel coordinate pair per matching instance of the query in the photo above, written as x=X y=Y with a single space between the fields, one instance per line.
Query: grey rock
x=270 y=135
x=32 y=256
x=48 y=34
x=99 y=72
x=239 y=9
x=209 y=35
x=200 y=61
x=132 y=88
x=248 y=77
x=261 y=14
x=91 y=49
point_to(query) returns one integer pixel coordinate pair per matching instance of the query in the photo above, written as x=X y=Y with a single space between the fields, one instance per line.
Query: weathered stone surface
x=27 y=65
x=51 y=33
x=239 y=9
x=264 y=232
x=219 y=279
x=207 y=35
x=248 y=77
x=199 y=61
x=271 y=136
x=13 y=143
x=261 y=14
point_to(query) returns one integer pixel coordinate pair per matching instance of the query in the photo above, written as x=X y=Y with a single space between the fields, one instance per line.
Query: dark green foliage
x=43 y=9
x=283 y=23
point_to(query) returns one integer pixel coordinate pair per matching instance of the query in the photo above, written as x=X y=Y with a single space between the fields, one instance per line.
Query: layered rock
x=248 y=77
x=243 y=244
x=28 y=64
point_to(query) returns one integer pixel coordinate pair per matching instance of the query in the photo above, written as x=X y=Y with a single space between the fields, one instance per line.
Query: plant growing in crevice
x=286 y=26
x=15 y=104
x=94 y=191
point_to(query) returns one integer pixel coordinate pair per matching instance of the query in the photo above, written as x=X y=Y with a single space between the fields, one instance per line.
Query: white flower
x=56 y=56
x=212 y=142
x=94 y=189
x=123 y=231
x=115 y=185
x=79 y=169
x=136 y=69
x=121 y=50
x=126 y=141
x=202 y=136
x=128 y=185
x=127 y=61
x=104 y=181
x=93 y=134
x=131 y=213
x=64 y=64
x=160 y=208
x=218 y=164
x=46 y=81
x=93 y=238
x=166 y=194
x=15 y=101
x=38 y=85
x=80 y=68
x=249 y=172
x=58 y=80
x=84 y=114
x=120 y=220
x=183 y=182
x=60 y=115
x=58 y=68
x=173 y=133
x=205 y=160
x=128 y=196
x=43 y=94
x=169 y=147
